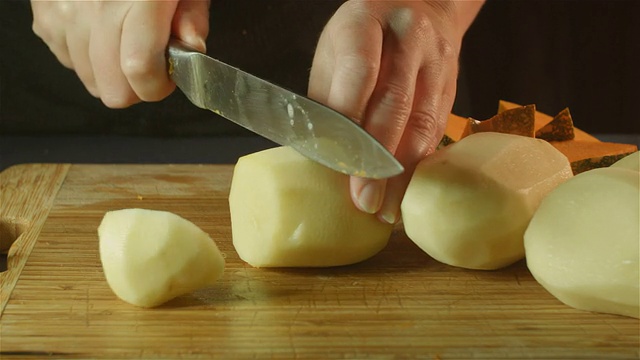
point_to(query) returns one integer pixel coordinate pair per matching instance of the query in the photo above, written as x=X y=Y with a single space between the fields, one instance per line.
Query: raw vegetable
x=469 y=204
x=588 y=155
x=582 y=243
x=288 y=211
x=150 y=257
x=630 y=162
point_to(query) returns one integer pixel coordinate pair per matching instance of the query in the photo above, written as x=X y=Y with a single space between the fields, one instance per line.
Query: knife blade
x=284 y=117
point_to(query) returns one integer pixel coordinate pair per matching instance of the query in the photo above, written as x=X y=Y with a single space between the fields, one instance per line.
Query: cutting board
x=56 y=303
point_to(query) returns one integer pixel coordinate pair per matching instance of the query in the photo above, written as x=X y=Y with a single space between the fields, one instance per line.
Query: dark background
x=580 y=54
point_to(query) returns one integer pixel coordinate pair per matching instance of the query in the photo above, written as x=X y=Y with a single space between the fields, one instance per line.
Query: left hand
x=391 y=66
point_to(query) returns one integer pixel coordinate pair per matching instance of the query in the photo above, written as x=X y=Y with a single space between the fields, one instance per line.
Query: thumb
x=191 y=23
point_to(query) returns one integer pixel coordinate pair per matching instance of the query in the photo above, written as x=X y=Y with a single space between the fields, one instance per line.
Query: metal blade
x=316 y=131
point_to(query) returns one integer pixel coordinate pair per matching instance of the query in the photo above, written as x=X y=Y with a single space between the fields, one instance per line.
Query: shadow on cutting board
x=243 y=285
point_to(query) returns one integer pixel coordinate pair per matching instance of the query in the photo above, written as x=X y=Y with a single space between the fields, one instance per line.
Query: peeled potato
x=630 y=162
x=150 y=257
x=469 y=204
x=288 y=211
x=582 y=243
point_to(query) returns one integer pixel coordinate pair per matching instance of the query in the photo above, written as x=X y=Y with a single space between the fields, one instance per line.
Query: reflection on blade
x=286 y=118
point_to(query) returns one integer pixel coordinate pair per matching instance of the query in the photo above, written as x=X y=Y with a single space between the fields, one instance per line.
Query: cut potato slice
x=289 y=211
x=582 y=243
x=150 y=257
x=469 y=204
x=630 y=162
x=588 y=155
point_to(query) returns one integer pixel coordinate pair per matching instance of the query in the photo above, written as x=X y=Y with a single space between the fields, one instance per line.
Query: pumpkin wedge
x=586 y=155
x=454 y=130
x=516 y=121
x=542 y=119
x=559 y=129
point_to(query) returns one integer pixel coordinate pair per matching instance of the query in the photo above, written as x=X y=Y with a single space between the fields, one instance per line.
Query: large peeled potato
x=582 y=243
x=288 y=211
x=469 y=204
x=630 y=162
x=150 y=257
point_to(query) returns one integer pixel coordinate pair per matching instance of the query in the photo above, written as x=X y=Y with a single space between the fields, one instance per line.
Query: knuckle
x=156 y=93
x=41 y=25
x=37 y=29
x=391 y=115
x=398 y=99
x=118 y=101
x=149 y=82
x=426 y=125
x=63 y=59
x=425 y=122
x=65 y=10
x=52 y=17
x=93 y=90
x=447 y=51
x=358 y=65
x=137 y=65
x=439 y=45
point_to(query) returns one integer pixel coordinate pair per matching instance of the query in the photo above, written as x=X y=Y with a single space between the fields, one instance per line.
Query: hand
x=117 y=48
x=392 y=67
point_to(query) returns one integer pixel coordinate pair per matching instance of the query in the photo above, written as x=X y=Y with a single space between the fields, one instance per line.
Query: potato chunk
x=630 y=162
x=150 y=257
x=288 y=211
x=582 y=243
x=469 y=204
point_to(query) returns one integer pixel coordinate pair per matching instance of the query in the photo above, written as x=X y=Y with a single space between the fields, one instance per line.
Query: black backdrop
x=580 y=54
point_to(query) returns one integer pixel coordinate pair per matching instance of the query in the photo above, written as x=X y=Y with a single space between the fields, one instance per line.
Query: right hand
x=117 y=48
x=392 y=67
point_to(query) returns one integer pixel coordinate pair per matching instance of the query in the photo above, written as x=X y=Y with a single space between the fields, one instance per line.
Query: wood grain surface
x=400 y=304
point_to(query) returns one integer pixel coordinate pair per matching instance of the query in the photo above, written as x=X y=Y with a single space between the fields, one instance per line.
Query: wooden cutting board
x=400 y=304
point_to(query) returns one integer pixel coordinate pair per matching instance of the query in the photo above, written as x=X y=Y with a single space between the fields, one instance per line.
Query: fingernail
x=197 y=42
x=203 y=44
x=370 y=197
x=389 y=217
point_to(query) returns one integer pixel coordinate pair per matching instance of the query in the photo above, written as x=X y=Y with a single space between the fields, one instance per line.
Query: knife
x=314 y=130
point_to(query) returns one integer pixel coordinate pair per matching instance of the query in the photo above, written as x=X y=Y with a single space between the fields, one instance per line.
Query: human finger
x=145 y=34
x=346 y=64
x=50 y=30
x=435 y=93
x=389 y=106
x=104 y=53
x=344 y=74
x=191 y=23
x=78 y=46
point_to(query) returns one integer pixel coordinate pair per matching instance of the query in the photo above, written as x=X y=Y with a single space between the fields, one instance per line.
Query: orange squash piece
x=453 y=132
x=586 y=155
x=542 y=119
x=559 y=129
x=516 y=121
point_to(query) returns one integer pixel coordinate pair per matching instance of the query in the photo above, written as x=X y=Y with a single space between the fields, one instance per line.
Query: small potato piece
x=630 y=162
x=582 y=243
x=150 y=257
x=288 y=211
x=469 y=204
